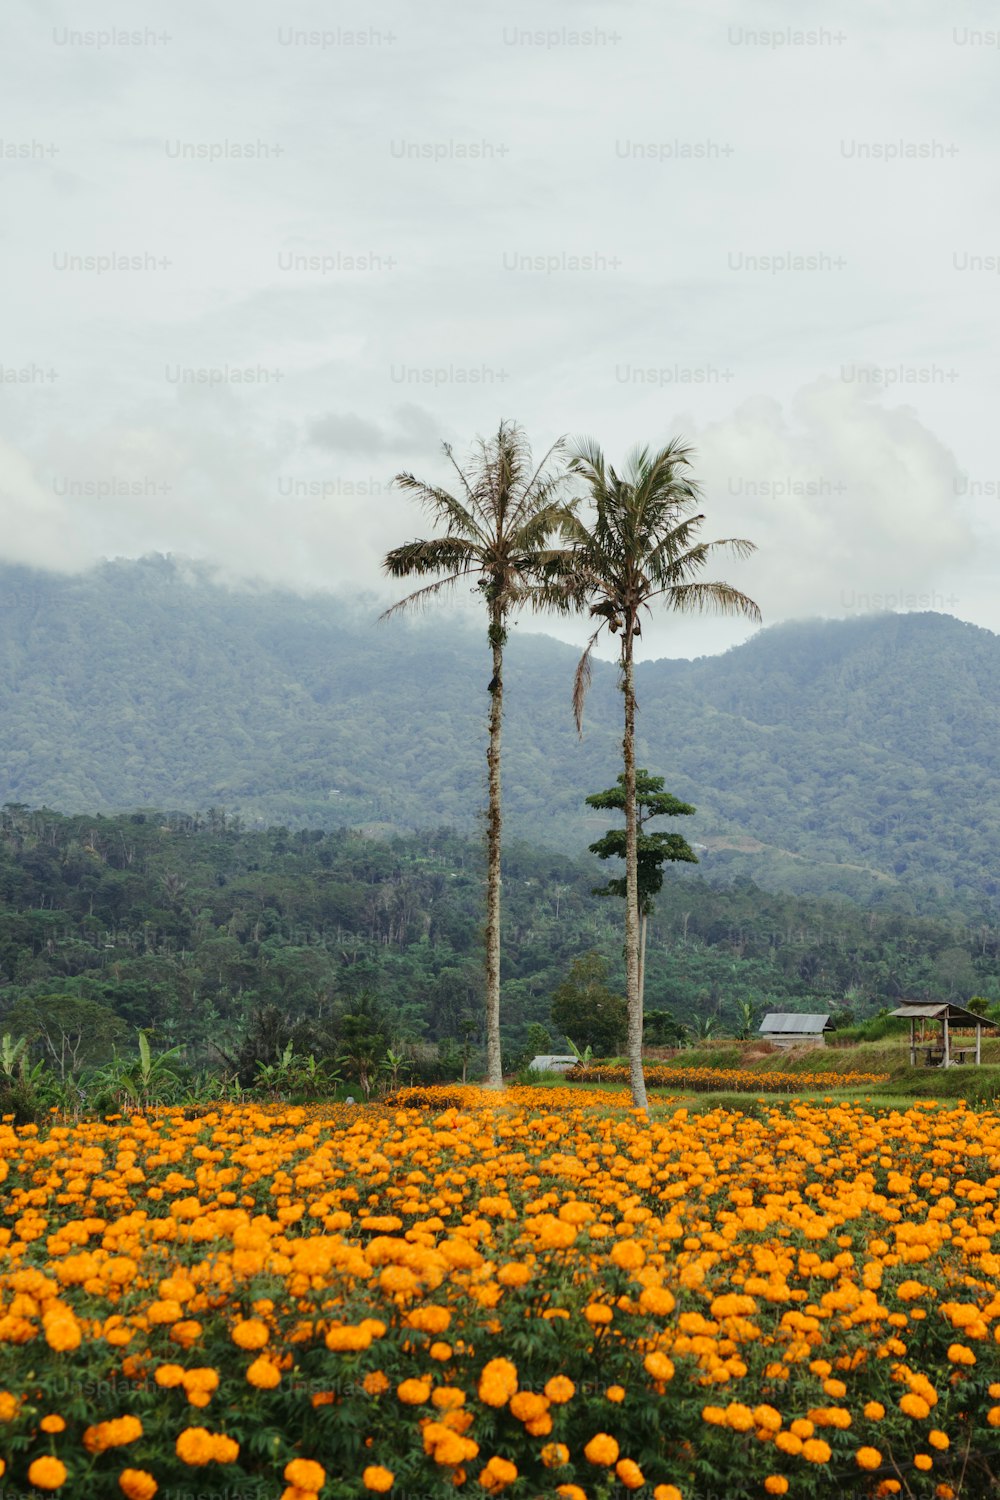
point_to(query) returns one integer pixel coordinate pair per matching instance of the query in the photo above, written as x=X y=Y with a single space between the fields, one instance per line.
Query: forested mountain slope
x=857 y=756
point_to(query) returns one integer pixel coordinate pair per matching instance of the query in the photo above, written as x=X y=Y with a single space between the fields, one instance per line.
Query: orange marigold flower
x=554 y=1455
x=264 y=1374
x=874 y=1411
x=630 y=1474
x=602 y=1449
x=348 y=1340
x=571 y=1492
x=739 y=1417
x=378 y=1479
x=667 y=1492
x=498 y=1382
x=914 y=1405
x=816 y=1451
x=306 y=1474
x=137 y=1484
x=376 y=1383
x=923 y=1461
x=868 y=1458
x=250 y=1333
x=615 y=1393
x=498 y=1473
x=413 y=1392
x=526 y=1406
x=47 y=1473
x=52 y=1423
x=993 y=1416
x=169 y=1376
x=514 y=1274
x=559 y=1390
x=61 y=1334
x=938 y=1439
x=776 y=1484
x=659 y=1366
x=429 y=1319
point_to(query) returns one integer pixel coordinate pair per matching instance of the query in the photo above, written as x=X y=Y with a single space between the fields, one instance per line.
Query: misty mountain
x=856 y=756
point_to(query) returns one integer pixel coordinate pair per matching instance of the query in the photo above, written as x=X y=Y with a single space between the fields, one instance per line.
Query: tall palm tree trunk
x=643 y=923
x=494 y=825
x=633 y=998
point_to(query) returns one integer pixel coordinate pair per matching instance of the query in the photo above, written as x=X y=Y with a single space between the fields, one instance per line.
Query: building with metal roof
x=787 y=1028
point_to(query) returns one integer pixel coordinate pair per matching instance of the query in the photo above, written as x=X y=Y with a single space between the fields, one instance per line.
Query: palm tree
x=638 y=548
x=497 y=530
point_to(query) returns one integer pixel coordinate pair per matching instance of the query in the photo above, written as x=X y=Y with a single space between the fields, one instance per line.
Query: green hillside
x=856 y=757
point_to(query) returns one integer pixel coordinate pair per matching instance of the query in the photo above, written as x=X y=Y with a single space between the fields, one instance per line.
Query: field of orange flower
x=539 y=1294
x=730 y=1080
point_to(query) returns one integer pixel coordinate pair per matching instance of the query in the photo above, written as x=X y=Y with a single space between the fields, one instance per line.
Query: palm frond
x=420 y=596
x=442 y=506
x=721 y=598
x=436 y=554
x=581 y=681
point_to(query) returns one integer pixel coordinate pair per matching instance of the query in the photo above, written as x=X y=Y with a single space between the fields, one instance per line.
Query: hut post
x=979 y=1042
x=913 y=1042
x=947 y=1057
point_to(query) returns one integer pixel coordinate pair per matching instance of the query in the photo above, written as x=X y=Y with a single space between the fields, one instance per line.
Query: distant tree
x=67 y=1031
x=364 y=1041
x=586 y=1010
x=653 y=850
x=661 y=1028
x=639 y=547
x=498 y=531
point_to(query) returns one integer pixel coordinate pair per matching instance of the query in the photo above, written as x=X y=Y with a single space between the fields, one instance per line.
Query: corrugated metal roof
x=789 y=1022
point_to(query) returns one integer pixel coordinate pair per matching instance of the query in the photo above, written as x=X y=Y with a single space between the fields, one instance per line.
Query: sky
x=261 y=256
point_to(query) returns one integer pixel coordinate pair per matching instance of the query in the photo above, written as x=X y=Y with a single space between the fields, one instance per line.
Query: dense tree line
x=210 y=933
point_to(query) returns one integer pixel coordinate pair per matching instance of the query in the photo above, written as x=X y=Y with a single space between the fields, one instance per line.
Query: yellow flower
x=378 y=1479
x=775 y=1484
x=874 y=1411
x=868 y=1458
x=52 y=1423
x=554 y=1455
x=816 y=1451
x=615 y=1393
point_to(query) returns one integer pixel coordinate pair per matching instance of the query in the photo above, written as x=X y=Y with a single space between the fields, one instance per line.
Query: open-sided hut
x=942 y=1051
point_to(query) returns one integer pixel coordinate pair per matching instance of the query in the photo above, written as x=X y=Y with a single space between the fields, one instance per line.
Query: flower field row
x=732 y=1080
x=540 y=1294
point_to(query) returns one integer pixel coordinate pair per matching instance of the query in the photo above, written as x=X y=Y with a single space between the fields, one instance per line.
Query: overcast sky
x=258 y=256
